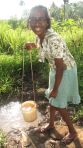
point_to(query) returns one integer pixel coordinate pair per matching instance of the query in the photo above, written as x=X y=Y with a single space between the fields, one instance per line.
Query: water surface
x=11 y=117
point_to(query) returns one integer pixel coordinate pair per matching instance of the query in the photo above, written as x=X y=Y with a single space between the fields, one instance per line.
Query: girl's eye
x=35 y=19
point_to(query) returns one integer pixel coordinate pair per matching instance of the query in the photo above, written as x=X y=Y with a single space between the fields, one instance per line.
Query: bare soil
x=31 y=138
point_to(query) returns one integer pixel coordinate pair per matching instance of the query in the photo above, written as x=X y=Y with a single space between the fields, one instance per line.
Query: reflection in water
x=11 y=117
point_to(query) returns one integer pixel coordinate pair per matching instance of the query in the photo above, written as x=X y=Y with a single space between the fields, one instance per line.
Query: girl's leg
x=50 y=125
x=52 y=116
x=65 y=115
x=72 y=135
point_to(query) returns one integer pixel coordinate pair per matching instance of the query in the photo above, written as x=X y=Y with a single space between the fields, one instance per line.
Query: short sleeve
x=57 y=47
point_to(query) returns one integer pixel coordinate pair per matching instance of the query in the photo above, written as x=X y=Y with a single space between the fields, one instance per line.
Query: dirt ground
x=53 y=139
x=31 y=138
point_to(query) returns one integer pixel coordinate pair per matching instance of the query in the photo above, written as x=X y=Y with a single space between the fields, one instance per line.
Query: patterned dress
x=54 y=46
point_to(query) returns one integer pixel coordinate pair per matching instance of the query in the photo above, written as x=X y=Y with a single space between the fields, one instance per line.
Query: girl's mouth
x=37 y=29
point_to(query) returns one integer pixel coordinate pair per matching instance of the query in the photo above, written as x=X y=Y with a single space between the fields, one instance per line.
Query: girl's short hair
x=44 y=9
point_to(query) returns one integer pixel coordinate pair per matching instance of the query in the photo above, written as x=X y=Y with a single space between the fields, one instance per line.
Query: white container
x=29 y=111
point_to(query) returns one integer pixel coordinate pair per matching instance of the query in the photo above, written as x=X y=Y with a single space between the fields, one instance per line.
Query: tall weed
x=11 y=49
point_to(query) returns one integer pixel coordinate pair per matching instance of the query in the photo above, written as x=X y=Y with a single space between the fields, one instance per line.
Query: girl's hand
x=29 y=46
x=53 y=93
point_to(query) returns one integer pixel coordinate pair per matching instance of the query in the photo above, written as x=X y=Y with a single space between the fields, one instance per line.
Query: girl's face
x=38 y=23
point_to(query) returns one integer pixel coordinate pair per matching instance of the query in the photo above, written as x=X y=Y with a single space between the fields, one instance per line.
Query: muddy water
x=11 y=117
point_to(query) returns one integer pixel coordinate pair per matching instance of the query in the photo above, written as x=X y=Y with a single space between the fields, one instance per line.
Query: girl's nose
x=37 y=23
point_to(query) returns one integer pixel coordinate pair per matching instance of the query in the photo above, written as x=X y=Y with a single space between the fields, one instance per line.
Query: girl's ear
x=47 y=25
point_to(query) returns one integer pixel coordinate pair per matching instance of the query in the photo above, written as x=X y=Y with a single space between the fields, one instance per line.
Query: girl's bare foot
x=69 y=138
x=46 y=127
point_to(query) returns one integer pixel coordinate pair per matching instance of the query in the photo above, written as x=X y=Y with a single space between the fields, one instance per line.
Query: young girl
x=63 y=83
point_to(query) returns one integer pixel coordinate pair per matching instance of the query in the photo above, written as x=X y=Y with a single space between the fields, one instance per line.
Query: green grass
x=11 y=50
x=2 y=139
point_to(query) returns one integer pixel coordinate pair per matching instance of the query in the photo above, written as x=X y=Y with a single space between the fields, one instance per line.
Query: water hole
x=11 y=117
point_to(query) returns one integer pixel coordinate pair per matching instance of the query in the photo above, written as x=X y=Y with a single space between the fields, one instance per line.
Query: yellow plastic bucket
x=29 y=111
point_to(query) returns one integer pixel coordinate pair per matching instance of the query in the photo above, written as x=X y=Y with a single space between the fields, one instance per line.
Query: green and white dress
x=54 y=46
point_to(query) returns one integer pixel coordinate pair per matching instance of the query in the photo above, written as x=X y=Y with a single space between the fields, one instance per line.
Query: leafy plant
x=78 y=114
x=11 y=49
x=2 y=139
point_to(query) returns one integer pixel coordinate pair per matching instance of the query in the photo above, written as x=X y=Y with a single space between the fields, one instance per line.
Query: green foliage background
x=11 y=53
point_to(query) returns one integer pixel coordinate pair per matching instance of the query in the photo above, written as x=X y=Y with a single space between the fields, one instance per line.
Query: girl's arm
x=60 y=66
